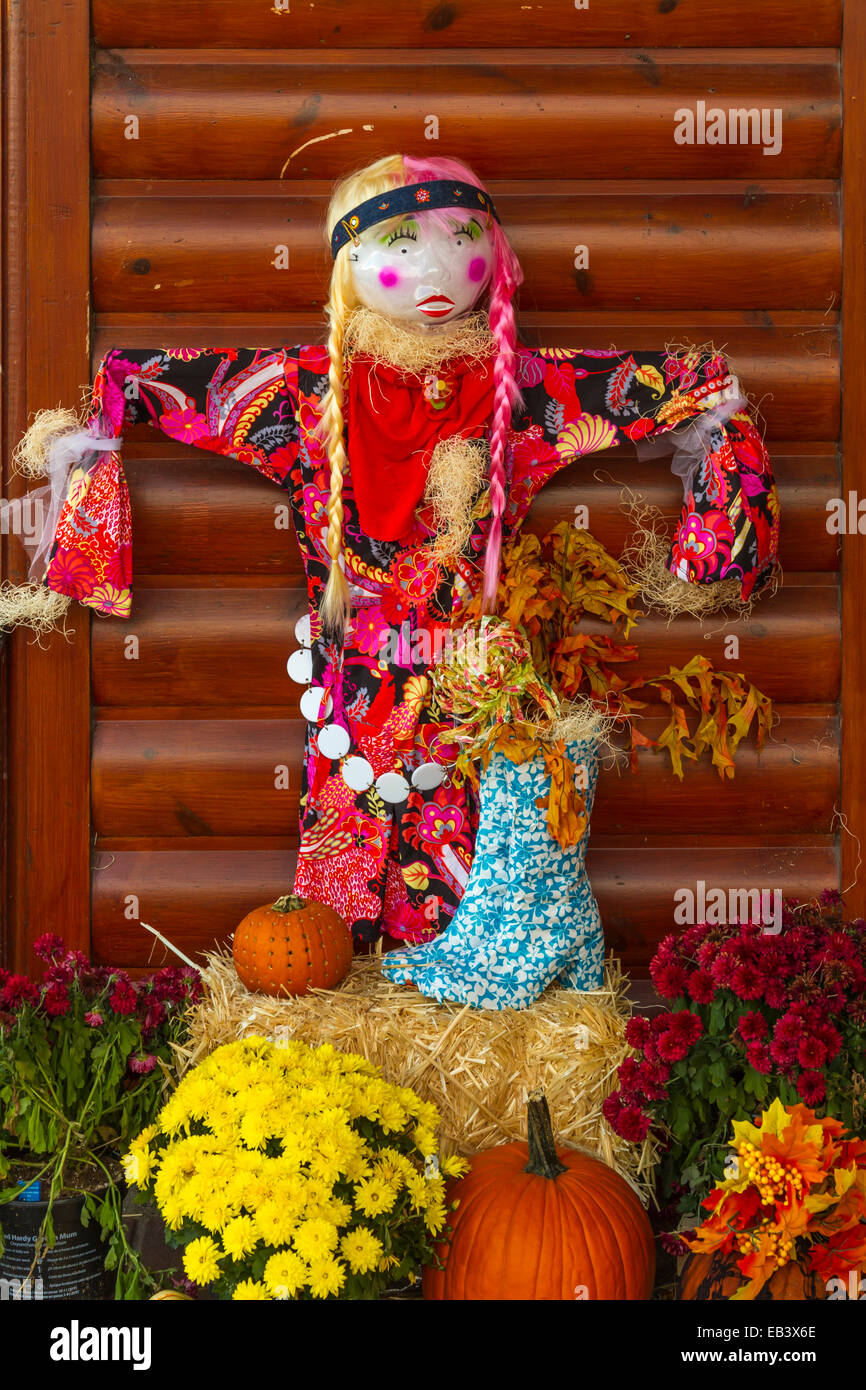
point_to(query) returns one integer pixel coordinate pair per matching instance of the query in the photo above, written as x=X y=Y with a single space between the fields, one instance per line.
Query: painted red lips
x=436 y=306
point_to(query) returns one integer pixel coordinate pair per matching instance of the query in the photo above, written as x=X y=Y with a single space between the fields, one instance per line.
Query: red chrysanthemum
x=672 y=1048
x=55 y=1001
x=141 y=1065
x=811 y=1053
x=701 y=987
x=686 y=1026
x=48 y=946
x=758 y=1056
x=747 y=981
x=123 y=998
x=638 y=1032
x=811 y=1087
x=752 y=1027
x=18 y=990
x=633 y=1124
x=669 y=980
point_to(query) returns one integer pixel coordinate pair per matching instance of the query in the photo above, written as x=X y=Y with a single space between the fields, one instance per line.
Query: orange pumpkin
x=712 y=1278
x=292 y=945
x=539 y=1223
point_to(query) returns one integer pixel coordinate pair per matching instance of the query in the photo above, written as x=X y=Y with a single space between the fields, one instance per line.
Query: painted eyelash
x=401 y=232
x=472 y=230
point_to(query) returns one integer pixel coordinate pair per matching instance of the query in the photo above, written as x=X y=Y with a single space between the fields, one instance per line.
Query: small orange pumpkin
x=292 y=945
x=711 y=1278
x=539 y=1223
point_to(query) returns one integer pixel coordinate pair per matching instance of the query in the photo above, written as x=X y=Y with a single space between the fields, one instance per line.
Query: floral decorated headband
x=435 y=193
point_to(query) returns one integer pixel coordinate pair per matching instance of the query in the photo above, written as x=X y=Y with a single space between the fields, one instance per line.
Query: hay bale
x=477 y=1066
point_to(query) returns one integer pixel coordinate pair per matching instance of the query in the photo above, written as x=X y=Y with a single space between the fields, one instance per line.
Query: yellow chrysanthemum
x=255 y=1129
x=240 y=1237
x=275 y=1225
x=434 y=1218
x=137 y=1166
x=173 y=1211
x=335 y=1210
x=392 y=1115
x=201 y=1260
x=374 y=1197
x=425 y=1140
x=357 y=1168
x=416 y=1186
x=315 y=1239
x=390 y=1172
x=285 y=1273
x=326 y=1277
x=454 y=1166
x=361 y=1250
x=251 y=1290
x=217 y=1211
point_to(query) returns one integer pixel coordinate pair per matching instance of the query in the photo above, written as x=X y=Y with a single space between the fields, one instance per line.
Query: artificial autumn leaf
x=799 y=1146
x=826 y=1214
x=841 y=1254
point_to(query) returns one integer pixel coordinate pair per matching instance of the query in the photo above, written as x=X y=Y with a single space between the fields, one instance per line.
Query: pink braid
x=505 y=396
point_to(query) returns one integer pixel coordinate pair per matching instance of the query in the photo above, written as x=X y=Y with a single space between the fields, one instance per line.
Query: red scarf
x=395 y=420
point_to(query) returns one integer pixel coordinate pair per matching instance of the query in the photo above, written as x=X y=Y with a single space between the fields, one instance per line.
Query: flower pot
x=73 y=1269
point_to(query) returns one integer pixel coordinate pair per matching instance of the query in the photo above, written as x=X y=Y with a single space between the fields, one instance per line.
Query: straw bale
x=477 y=1066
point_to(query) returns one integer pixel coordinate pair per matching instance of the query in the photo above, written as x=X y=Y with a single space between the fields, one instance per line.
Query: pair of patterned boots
x=528 y=916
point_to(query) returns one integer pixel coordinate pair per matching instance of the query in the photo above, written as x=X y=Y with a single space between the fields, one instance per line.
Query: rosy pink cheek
x=477 y=269
x=389 y=278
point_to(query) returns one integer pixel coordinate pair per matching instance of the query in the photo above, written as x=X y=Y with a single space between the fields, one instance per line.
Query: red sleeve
x=688 y=404
x=240 y=402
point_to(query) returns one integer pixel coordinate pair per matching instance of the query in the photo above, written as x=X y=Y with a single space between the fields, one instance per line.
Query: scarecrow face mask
x=420 y=272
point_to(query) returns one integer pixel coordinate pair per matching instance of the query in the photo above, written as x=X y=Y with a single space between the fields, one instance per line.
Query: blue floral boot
x=550 y=928
x=549 y=925
x=480 y=907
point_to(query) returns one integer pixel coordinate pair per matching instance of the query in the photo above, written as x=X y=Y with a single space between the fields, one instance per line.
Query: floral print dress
x=401 y=866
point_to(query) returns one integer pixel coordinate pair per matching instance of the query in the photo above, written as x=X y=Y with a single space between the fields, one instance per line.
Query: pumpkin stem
x=289 y=902
x=542 y=1146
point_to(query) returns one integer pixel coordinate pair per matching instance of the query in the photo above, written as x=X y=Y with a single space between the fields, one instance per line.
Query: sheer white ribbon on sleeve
x=690 y=442
x=75 y=449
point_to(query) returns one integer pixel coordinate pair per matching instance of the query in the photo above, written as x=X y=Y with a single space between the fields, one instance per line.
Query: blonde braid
x=376 y=178
x=334 y=607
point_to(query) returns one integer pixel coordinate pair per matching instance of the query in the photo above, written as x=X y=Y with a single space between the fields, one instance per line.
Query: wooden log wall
x=217 y=129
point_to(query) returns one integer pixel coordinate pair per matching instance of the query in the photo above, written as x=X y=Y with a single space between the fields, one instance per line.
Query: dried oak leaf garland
x=547 y=587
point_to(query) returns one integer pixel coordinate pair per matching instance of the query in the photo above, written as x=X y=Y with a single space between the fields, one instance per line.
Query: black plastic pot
x=73 y=1268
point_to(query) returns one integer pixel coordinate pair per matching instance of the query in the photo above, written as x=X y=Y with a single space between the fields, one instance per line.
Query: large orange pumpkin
x=292 y=945
x=712 y=1278
x=539 y=1223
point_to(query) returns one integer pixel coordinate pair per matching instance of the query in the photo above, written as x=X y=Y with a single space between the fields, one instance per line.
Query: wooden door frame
x=46 y=359
x=853 y=719
x=45 y=352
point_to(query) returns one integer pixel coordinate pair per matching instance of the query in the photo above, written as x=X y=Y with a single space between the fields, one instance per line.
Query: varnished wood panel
x=198 y=898
x=45 y=355
x=455 y=24
x=853 y=805
x=511 y=116
x=217 y=777
x=718 y=247
x=789 y=648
